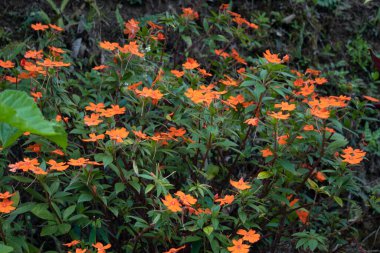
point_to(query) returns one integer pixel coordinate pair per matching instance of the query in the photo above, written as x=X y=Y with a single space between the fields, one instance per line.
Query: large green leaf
x=20 y=114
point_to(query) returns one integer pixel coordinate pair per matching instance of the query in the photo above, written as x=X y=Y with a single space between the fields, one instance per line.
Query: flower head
x=100 y=247
x=118 y=134
x=239 y=247
x=172 y=204
x=190 y=64
x=39 y=27
x=250 y=235
x=186 y=199
x=240 y=185
x=353 y=156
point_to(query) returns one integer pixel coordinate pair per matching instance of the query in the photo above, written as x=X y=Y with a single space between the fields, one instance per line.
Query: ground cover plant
x=180 y=140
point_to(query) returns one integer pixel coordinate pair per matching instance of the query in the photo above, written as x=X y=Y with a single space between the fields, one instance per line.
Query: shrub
x=200 y=150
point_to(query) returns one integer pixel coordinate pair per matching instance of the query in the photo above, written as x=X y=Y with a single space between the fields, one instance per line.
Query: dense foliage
x=207 y=150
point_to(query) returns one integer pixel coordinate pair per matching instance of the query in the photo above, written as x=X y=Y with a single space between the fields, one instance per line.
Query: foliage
x=182 y=140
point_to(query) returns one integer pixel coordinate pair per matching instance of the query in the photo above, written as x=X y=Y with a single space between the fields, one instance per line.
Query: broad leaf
x=20 y=114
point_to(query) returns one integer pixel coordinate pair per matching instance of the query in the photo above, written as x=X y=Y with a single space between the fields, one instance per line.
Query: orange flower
x=307 y=90
x=36 y=148
x=177 y=73
x=6 y=206
x=320 y=113
x=58 y=152
x=72 y=243
x=108 y=45
x=140 y=135
x=131 y=48
x=150 y=93
x=95 y=107
x=34 y=54
x=78 y=162
x=279 y=115
x=172 y=204
x=303 y=215
x=298 y=82
x=282 y=140
x=272 y=58
x=154 y=26
x=372 y=99
x=189 y=13
x=285 y=106
x=100 y=247
x=78 y=250
x=320 y=176
x=131 y=28
x=241 y=70
x=11 y=79
x=308 y=128
x=228 y=199
x=25 y=165
x=6 y=64
x=55 y=27
x=134 y=86
x=36 y=95
x=313 y=72
x=100 y=67
x=39 y=27
x=57 y=166
x=221 y=53
x=204 y=73
x=186 y=199
x=177 y=132
x=56 y=51
x=190 y=64
x=293 y=202
x=238 y=247
x=6 y=195
x=204 y=95
x=229 y=81
x=51 y=64
x=175 y=250
x=234 y=101
x=240 y=185
x=266 y=152
x=118 y=134
x=237 y=57
x=250 y=235
x=320 y=80
x=252 y=121
x=93 y=120
x=353 y=156
x=116 y=109
x=94 y=138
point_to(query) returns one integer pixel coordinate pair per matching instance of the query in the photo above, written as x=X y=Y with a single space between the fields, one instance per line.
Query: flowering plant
x=171 y=152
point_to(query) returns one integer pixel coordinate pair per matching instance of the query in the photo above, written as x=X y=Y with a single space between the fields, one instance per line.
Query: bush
x=198 y=149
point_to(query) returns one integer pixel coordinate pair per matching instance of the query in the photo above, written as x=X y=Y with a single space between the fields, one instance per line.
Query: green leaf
x=119 y=187
x=41 y=211
x=49 y=230
x=208 y=230
x=264 y=175
x=5 y=249
x=69 y=211
x=20 y=112
x=8 y=134
x=84 y=197
x=338 y=200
